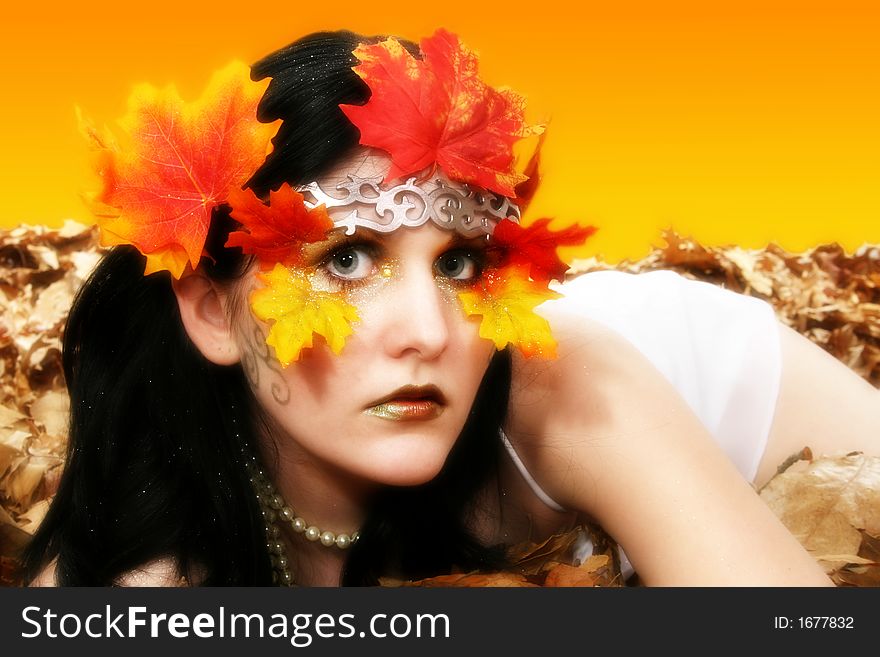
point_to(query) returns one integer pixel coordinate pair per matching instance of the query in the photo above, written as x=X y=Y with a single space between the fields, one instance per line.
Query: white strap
x=530 y=480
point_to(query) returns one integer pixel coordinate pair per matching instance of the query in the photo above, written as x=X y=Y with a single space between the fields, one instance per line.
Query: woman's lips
x=409 y=403
x=406 y=409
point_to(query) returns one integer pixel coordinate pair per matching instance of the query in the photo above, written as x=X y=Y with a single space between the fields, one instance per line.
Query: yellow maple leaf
x=506 y=299
x=297 y=312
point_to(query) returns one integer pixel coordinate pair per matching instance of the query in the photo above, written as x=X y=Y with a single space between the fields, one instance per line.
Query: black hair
x=154 y=466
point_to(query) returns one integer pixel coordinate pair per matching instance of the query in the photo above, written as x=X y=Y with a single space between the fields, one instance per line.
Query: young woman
x=349 y=379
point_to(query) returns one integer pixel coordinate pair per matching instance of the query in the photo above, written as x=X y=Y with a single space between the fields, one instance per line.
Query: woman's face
x=390 y=406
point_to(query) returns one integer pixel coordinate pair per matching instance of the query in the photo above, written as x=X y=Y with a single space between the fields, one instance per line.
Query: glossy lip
x=409 y=403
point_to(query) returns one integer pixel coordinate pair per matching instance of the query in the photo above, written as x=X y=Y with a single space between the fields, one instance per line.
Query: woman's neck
x=319 y=493
x=322 y=496
x=509 y=512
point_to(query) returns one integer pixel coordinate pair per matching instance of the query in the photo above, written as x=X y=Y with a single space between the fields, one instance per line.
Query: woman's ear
x=205 y=319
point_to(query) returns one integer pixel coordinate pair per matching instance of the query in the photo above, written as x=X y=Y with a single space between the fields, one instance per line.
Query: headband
x=468 y=210
x=452 y=165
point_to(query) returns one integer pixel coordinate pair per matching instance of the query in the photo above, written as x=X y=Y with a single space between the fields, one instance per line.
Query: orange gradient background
x=735 y=122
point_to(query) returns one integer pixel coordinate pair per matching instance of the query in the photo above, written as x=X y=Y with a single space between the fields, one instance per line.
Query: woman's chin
x=406 y=465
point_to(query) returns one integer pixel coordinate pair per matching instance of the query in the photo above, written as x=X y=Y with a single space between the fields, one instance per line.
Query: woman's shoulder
x=636 y=352
x=695 y=334
x=620 y=299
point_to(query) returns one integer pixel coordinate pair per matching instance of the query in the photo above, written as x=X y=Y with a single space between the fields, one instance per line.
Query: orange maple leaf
x=276 y=232
x=535 y=246
x=506 y=299
x=438 y=110
x=181 y=161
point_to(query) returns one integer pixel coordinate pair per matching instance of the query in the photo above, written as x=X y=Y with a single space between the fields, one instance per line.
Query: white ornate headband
x=465 y=208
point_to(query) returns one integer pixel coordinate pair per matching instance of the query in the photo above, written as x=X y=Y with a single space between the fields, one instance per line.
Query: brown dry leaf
x=40 y=270
x=828 y=504
x=12 y=538
x=31 y=519
x=51 y=411
x=473 y=580
x=22 y=484
x=862 y=574
x=870 y=548
x=752 y=269
x=529 y=558
x=9 y=460
x=564 y=575
x=686 y=252
x=549 y=563
x=9 y=416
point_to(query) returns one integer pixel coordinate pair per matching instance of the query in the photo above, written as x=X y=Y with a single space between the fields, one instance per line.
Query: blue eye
x=458 y=265
x=350 y=263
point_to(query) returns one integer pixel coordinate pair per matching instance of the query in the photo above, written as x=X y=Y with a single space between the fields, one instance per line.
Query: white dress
x=720 y=350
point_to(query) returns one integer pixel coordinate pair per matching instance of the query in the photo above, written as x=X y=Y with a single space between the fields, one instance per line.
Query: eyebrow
x=457 y=239
x=337 y=238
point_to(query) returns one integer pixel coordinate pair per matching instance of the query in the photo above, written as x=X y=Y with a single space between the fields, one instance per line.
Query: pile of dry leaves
x=831 y=505
x=40 y=270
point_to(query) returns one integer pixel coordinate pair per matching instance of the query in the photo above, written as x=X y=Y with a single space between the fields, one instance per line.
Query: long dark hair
x=154 y=466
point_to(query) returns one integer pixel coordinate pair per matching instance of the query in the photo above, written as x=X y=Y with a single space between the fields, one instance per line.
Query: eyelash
x=477 y=256
x=341 y=282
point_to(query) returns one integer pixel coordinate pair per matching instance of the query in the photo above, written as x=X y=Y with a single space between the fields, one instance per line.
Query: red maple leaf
x=182 y=161
x=526 y=190
x=535 y=246
x=438 y=110
x=276 y=232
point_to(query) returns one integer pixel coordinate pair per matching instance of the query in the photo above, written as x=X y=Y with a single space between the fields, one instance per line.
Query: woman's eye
x=350 y=263
x=458 y=265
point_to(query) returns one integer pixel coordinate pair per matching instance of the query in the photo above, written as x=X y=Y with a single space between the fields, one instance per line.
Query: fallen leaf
x=31 y=519
x=51 y=410
x=481 y=580
x=564 y=575
x=530 y=558
x=827 y=503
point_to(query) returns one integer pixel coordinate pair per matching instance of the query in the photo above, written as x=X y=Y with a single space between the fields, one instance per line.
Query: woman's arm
x=603 y=432
x=822 y=405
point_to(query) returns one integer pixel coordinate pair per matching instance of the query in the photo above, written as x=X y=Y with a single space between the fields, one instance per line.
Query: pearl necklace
x=273 y=507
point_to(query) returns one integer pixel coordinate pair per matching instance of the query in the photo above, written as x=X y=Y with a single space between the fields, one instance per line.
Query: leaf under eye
x=298 y=312
x=506 y=299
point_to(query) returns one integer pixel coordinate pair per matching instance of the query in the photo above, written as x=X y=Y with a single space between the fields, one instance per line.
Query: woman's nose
x=417 y=321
